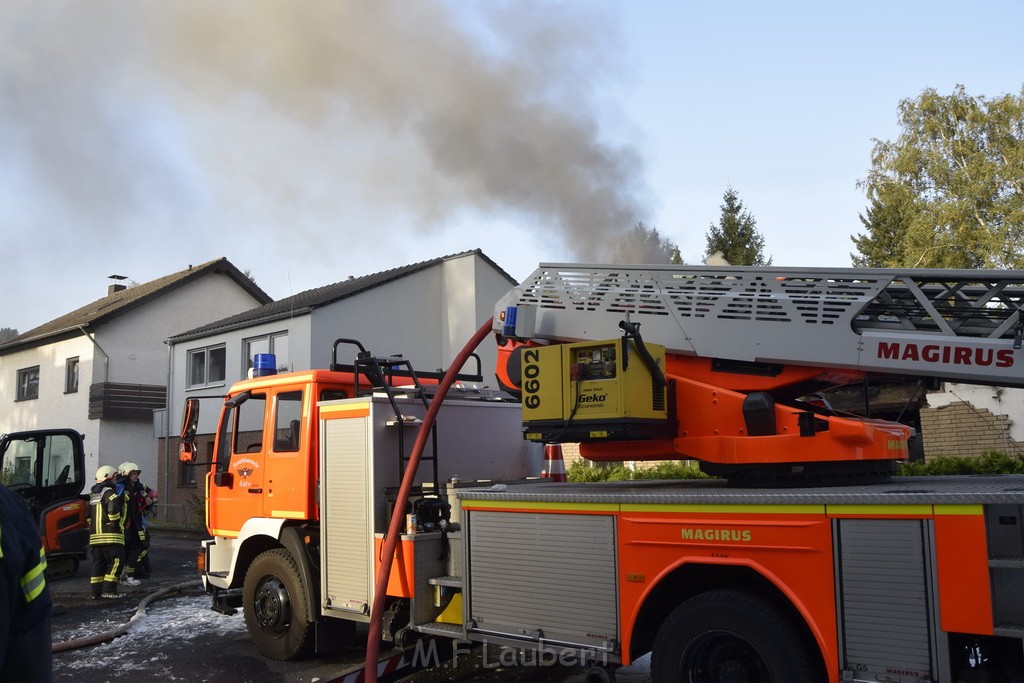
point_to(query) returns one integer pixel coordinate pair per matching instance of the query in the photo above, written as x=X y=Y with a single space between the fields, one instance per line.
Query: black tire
x=275 y=604
x=729 y=636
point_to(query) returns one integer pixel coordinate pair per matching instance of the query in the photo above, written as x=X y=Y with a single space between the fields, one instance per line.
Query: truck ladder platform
x=961 y=325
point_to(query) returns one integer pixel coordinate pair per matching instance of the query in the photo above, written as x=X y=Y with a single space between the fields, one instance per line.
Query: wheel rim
x=723 y=657
x=272 y=606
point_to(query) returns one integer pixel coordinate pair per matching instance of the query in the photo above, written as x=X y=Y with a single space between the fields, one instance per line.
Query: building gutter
x=165 y=487
x=106 y=358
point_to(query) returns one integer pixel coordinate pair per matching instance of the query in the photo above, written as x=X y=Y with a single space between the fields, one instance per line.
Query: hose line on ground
x=122 y=630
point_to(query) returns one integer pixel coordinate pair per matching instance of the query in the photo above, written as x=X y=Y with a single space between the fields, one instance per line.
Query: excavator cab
x=47 y=469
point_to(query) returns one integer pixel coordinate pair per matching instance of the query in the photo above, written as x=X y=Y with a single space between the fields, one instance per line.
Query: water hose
x=122 y=630
x=397 y=517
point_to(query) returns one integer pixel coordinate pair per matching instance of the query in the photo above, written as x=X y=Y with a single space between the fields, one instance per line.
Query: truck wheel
x=275 y=602
x=728 y=636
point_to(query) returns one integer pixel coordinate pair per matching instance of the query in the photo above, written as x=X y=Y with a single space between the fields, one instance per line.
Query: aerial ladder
x=733 y=352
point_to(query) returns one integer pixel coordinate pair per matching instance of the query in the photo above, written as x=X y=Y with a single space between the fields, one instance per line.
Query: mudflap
x=332 y=635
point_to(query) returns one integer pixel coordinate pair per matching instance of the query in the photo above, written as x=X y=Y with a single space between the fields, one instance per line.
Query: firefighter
x=25 y=646
x=136 y=536
x=106 y=538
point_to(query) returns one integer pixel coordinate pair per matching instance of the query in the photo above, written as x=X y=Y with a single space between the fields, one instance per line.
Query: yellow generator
x=590 y=391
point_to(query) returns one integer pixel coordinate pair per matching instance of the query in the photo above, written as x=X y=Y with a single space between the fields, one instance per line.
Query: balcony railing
x=115 y=401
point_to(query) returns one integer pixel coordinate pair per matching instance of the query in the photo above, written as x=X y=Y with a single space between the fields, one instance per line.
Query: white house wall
x=134 y=341
x=297 y=329
x=427 y=317
x=399 y=317
x=128 y=349
x=54 y=409
x=998 y=401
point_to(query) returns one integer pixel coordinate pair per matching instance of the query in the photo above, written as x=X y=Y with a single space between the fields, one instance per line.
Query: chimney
x=116 y=286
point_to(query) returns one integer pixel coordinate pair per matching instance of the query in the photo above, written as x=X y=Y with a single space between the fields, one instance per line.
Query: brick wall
x=960 y=429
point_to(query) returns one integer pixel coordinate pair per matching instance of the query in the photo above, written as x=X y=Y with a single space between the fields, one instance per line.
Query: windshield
x=38 y=460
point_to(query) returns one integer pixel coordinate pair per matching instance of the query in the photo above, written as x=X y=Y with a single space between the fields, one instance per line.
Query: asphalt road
x=179 y=638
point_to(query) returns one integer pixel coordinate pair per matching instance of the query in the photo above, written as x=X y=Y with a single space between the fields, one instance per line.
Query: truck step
x=1009 y=630
x=1006 y=562
x=449 y=581
x=445 y=630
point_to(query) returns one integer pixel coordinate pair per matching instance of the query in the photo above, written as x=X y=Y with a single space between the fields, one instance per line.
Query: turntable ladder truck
x=804 y=562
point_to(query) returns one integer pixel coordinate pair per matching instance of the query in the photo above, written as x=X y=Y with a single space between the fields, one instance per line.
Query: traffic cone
x=554 y=466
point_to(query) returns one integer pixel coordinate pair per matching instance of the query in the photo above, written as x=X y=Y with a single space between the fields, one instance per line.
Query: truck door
x=236 y=488
x=287 y=474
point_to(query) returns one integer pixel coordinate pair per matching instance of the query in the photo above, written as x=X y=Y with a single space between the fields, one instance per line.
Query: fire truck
x=800 y=559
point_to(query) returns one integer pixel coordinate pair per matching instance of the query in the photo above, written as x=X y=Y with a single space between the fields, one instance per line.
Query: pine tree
x=736 y=235
x=644 y=244
x=887 y=221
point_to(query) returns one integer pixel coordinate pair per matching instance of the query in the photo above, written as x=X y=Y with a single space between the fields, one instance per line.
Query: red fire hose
x=397 y=517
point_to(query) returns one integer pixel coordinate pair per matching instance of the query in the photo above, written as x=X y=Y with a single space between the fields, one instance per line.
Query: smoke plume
x=190 y=117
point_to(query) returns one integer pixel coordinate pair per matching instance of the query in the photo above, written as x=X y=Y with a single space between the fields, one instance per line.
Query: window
x=28 y=383
x=48 y=461
x=288 y=422
x=71 y=375
x=276 y=344
x=206 y=366
x=248 y=437
x=241 y=429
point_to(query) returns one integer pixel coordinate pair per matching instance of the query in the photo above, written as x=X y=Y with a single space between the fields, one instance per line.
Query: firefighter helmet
x=105 y=472
x=127 y=468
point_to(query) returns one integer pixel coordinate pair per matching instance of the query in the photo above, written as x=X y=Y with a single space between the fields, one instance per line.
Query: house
x=425 y=311
x=972 y=419
x=102 y=369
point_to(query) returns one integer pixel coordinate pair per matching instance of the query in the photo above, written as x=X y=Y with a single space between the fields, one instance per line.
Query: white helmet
x=105 y=472
x=127 y=468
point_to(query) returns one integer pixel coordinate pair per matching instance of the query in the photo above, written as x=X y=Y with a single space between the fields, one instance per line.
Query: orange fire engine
x=805 y=561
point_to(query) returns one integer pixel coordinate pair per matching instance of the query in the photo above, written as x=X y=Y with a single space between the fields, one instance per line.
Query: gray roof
x=109 y=307
x=305 y=302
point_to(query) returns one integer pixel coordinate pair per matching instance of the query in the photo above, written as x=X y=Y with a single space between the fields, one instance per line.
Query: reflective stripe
x=33 y=583
x=107 y=539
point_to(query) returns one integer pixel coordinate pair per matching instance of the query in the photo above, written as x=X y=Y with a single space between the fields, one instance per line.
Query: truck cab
x=264 y=449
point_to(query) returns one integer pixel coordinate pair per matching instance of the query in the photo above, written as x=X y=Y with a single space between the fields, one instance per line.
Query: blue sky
x=310 y=146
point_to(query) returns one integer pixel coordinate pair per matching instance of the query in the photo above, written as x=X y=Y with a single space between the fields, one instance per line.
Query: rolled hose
x=122 y=630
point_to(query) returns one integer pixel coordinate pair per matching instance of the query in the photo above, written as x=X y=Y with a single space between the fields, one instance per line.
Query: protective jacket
x=25 y=646
x=106 y=515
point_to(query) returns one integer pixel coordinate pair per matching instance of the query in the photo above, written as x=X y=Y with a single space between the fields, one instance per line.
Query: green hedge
x=993 y=462
x=583 y=470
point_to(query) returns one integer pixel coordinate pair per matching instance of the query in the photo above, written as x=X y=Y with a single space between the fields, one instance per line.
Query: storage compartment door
x=885 y=604
x=543 y=576
x=345 y=514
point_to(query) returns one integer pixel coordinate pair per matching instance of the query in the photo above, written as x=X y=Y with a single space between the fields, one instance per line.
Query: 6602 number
x=531 y=376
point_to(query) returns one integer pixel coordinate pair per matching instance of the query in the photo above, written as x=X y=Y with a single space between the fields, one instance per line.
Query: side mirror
x=222 y=479
x=187 y=452
x=189 y=426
